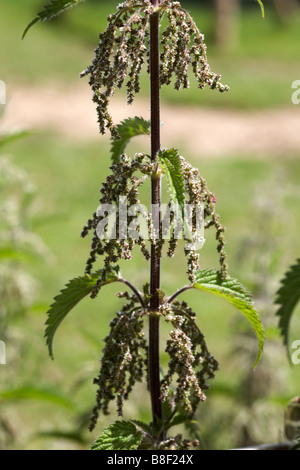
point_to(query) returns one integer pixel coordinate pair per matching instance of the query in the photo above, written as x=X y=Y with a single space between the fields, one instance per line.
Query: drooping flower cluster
x=198 y=193
x=124 y=358
x=178 y=443
x=120 y=206
x=182 y=46
x=121 y=52
x=122 y=183
x=190 y=359
x=196 y=196
x=124 y=48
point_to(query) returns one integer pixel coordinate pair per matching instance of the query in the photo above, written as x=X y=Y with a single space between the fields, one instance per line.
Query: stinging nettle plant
x=132 y=39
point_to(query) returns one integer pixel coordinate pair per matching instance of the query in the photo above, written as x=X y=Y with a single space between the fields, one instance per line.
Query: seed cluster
x=122 y=182
x=182 y=46
x=125 y=180
x=124 y=48
x=178 y=443
x=124 y=358
x=125 y=361
x=197 y=195
x=190 y=359
x=121 y=52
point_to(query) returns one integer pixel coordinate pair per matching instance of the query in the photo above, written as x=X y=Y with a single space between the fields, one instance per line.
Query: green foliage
x=75 y=437
x=11 y=137
x=12 y=254
x=121 y=435
x=53 y=9
x=262 y=8
x=74 y=292
x=288 y=297
x=35 y=393
x=297 y=445
x=209 y=280
x=171 y=165
x=144 y=426
x=127 y=129
x=181 y=418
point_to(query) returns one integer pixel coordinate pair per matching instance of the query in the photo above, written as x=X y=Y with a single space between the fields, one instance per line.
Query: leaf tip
x=29 y=26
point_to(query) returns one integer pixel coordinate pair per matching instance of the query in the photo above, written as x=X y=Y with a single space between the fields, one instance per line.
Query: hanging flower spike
x=123 y=49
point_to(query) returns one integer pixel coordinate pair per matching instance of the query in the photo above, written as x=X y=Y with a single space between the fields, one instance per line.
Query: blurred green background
x=49 y=187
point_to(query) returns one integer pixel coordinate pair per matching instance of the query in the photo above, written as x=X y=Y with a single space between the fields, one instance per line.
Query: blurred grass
x=259 y=70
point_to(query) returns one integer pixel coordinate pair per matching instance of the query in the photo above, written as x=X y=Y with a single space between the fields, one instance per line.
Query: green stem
x=154 y=361
x=135 y=291
x=181 y=291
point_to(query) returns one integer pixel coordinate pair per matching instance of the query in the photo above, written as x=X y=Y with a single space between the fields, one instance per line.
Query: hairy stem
x=154 y=363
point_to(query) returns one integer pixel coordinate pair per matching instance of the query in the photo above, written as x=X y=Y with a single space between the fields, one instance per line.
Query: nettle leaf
x=127 y=129
x=171 y=166
x=181 y=418
x=71 y=295
x=262 y=8
x=121 y=435
x=140 y=424
x=51 y=10
x=233 y=291
x=288 y=297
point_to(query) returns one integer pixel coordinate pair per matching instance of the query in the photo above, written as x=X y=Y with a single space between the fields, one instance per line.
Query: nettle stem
x=154 y=362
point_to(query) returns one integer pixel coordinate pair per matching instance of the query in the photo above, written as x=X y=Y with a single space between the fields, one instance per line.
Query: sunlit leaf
x=127 y=129
x=233 y=291
x=51 y=10
x=73 y=293
x=171 y=166
x=140 y=424
x=121 y=435
x=262 y=8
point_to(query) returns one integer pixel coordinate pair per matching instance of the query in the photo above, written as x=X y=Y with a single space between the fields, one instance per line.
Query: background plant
x=20 y=248
x=254 y=404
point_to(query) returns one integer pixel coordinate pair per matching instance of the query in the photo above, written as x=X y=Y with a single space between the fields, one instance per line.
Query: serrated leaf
x=121 y=435
x=262 y=8
x=171 y=165
x=51 y=10
x=288 y=297
x=179 y=419
x=233 y=291
x=127 y=129
x=74 y=292
x=140 y=424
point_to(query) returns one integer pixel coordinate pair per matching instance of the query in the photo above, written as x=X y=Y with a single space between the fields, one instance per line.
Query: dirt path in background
x=202 y=131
